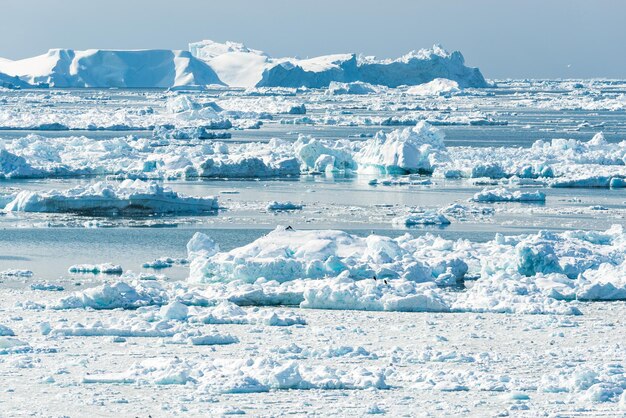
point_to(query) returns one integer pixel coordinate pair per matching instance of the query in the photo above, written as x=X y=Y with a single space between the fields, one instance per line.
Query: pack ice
x=538 y=273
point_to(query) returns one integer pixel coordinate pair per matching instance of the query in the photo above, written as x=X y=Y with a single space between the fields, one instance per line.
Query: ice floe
x=128 y=197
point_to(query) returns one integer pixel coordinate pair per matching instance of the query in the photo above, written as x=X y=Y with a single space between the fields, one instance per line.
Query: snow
x=426 y=218
x=105 y=198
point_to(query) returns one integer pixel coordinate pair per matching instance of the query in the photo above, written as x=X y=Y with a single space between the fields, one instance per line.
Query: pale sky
x=532 y=38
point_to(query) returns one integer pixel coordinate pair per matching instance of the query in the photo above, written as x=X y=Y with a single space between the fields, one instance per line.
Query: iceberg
x=287 y=254
x=282 y=206
x=127 y=197
x=406 y=151
x=504 y=195
x=437 y=87
x=97 y=68
x=239 y=66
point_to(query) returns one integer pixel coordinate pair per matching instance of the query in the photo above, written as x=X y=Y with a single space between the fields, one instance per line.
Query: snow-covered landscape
x=217 y=230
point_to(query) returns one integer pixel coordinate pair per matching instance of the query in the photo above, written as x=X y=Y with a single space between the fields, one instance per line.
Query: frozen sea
x=523 y=348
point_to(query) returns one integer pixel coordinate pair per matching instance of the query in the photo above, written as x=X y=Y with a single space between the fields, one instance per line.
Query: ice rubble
x=543 y=273
x=247 y=375
x=116 y=295
x=418 y=149
x=212 y=63
x=111 y=68
x=137 y=197
x=533 y=274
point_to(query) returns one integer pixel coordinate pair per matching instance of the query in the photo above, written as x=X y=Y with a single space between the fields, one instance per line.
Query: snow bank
x=229 y=313
x=153 y=68
x=127 y=197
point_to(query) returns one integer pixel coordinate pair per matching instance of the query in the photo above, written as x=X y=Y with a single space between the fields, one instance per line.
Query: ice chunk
x=421 y=219
x=287 y=254
x=117 y=295
x=436 y=87
x=371 y=295
x=127 y=197
x=6 y=331
x=282 y=206
x=410 y=150
x=504 y=195
x=244 y=376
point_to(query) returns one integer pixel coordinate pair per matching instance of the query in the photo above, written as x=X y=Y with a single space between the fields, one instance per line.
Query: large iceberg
x=232 y=64
x=153 y=68
x=239 y=66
